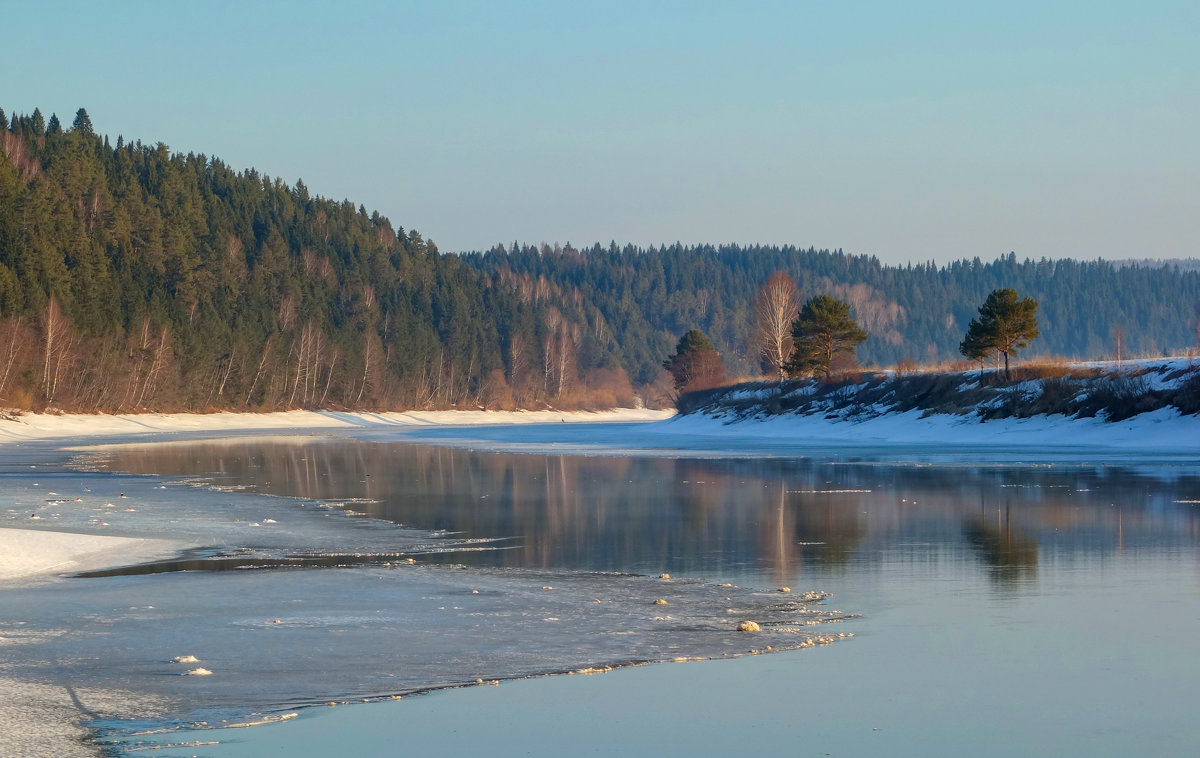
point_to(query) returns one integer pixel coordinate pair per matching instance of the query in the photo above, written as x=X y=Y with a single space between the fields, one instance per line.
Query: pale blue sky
x=922 y=131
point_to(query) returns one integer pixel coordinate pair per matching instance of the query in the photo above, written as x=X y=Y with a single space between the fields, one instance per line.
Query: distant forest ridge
x=135 y=278
x=1182 y=264
x=918 y=311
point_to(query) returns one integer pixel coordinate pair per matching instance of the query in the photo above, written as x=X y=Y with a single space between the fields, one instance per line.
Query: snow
x=1163 y=430
x=28 y=553
x=36 y=427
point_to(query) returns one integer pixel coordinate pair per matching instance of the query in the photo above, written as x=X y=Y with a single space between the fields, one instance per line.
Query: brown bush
x=610 y=387
x=1049 y=367
x=907 y=367
x=495 y=394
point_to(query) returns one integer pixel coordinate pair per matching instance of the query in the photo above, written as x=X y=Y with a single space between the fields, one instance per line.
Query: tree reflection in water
x=774 y=517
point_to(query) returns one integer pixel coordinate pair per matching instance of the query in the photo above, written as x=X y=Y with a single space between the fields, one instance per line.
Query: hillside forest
x=133 y=277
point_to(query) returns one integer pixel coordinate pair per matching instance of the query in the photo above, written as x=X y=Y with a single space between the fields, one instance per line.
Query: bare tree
x=775 y=310
x=266 y=351
x=57 y=343
x=11 y=358
x=150 y=383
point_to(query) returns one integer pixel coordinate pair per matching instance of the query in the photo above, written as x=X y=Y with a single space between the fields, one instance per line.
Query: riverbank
x=31 y=427
x=1139 y=407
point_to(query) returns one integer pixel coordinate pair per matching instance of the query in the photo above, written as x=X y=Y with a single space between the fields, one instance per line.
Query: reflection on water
x=1060 y=598
x=772 y=518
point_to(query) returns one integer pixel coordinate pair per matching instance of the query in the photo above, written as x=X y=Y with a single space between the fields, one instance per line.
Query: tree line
x=795 y=341
x=134 y=277
x=650 y=296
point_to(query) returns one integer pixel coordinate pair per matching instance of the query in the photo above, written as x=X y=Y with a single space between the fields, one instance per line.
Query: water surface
x=1006 y=608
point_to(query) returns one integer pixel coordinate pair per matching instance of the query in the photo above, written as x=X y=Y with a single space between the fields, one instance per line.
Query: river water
x=996 y=608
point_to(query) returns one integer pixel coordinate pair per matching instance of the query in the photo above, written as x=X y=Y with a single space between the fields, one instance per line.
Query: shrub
x=1187 y=397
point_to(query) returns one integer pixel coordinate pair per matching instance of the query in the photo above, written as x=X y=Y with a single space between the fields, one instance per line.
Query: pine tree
x=822 y=330
x=1005 y=325
x=54 y=127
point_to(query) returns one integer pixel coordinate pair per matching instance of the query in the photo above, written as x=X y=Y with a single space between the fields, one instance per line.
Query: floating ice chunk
x=185 y=659
x=749 y=626
x=200 y=671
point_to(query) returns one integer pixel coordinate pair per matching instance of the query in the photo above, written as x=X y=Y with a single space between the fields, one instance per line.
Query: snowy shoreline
x=1138 y=407
x=34 y=427
x=1164 y=431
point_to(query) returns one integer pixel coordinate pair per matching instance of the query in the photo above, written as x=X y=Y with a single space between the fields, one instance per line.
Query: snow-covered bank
x=29 y=553
x=1160 y=431
x=1138 y=407
x=36 y=427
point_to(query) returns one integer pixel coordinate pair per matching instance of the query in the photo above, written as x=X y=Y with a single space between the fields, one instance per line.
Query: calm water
x=1001 y=609
x=767 y=521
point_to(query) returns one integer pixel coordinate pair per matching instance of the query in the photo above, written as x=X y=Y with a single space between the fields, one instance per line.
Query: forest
x=137 y=278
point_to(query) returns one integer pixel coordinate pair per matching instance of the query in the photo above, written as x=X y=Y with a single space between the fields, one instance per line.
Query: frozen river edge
x=1173 y=435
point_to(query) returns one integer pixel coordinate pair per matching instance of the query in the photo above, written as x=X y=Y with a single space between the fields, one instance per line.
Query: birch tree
x=775 y=309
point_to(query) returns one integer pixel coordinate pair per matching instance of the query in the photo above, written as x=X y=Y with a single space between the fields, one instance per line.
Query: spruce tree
x=82 y=122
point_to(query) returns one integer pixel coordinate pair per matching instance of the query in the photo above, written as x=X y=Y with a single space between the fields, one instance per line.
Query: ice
x=277 y=640
x=317 y=606
x=26 y=553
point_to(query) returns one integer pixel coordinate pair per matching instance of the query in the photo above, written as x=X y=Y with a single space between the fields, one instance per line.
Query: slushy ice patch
x=271 y=641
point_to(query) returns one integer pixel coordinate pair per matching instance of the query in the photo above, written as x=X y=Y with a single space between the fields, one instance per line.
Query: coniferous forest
x=135 y=278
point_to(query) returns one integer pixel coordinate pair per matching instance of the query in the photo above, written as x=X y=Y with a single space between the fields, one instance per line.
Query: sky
x=910 y=131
